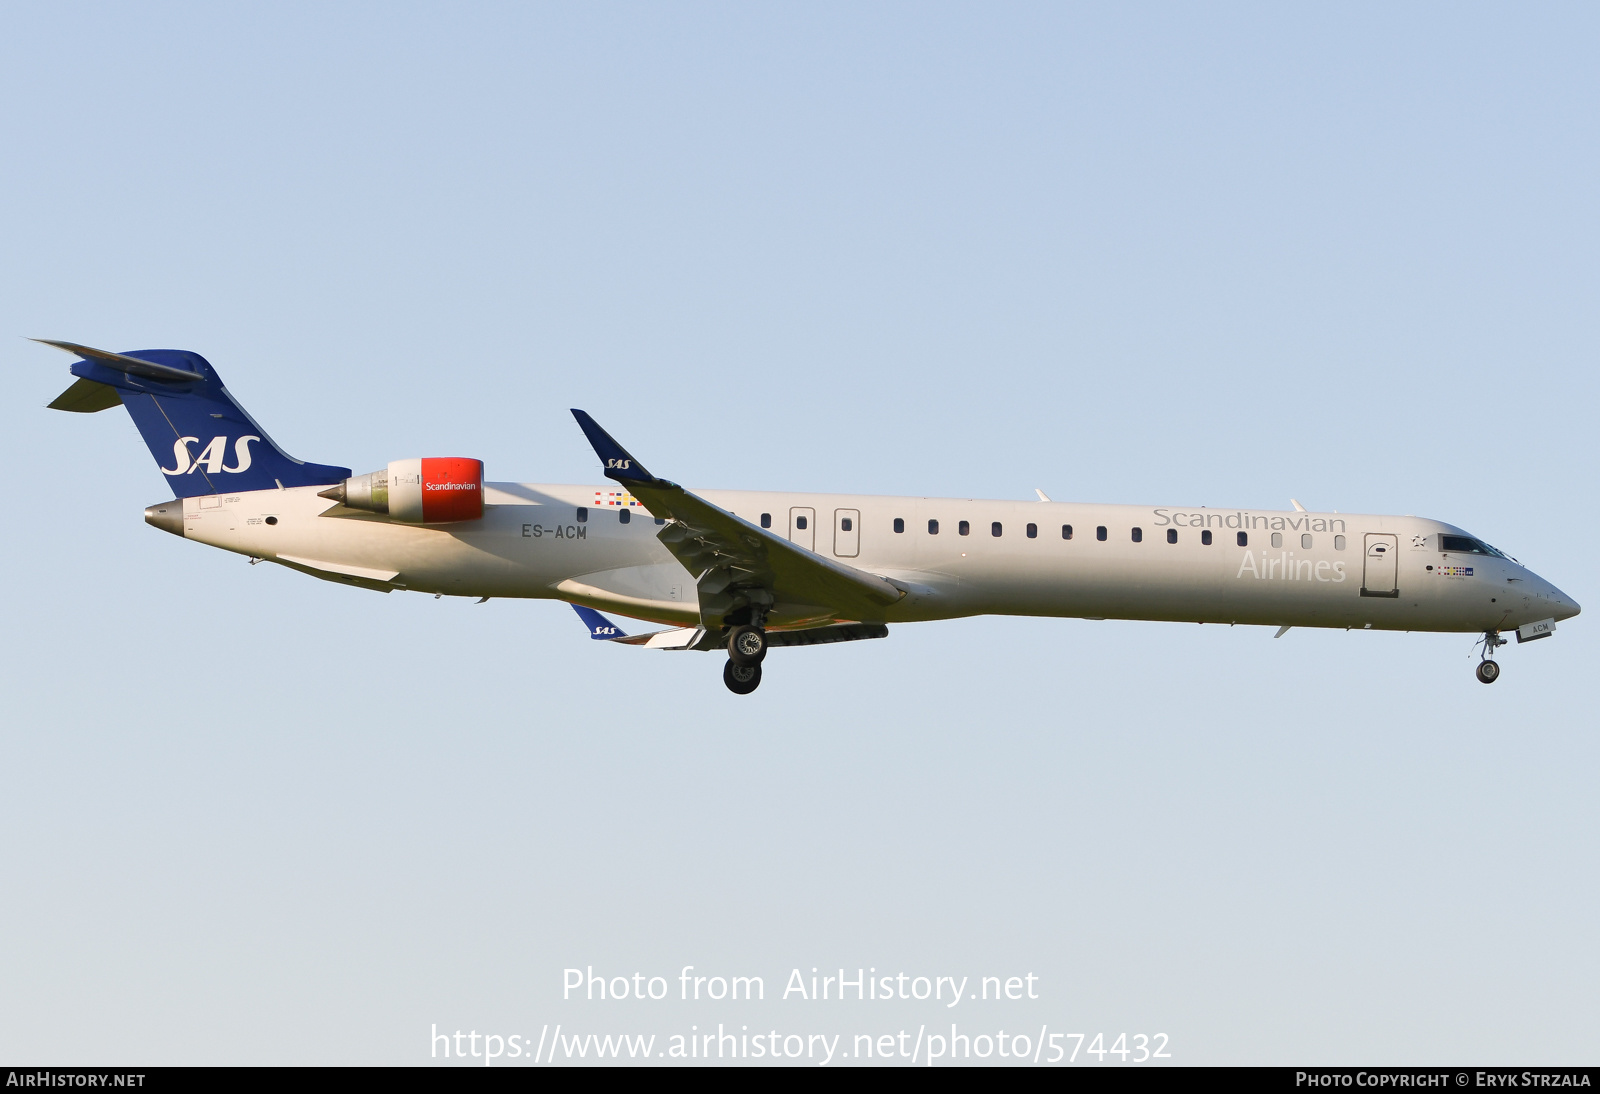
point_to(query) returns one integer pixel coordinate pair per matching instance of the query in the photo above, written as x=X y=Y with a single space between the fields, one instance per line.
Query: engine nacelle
x=438 y=490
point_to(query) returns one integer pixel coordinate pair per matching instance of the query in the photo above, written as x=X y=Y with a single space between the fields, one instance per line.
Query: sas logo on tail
x=214 y=456
x=618 y=465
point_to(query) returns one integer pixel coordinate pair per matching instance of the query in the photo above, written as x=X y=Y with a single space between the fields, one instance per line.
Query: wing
x=737 y=566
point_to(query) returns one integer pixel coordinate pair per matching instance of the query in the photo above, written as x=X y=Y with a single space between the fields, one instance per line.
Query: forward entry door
x=803 y=528
x=1381 y=566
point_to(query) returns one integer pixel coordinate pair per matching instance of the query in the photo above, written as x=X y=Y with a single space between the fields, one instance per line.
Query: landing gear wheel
x=747 y=645
x=1488 y=672
x=741 y=679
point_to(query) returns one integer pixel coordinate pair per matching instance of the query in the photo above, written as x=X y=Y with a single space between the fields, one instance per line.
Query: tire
x=741 y=679
x=747 y=645
x=1488 y=672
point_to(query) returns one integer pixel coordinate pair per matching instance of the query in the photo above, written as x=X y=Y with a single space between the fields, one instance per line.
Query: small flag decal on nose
x=1455 y=571
x=603 y=498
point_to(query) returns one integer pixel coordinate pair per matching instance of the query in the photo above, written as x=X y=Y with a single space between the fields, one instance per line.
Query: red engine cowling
x=437 y=490
x=440 y=490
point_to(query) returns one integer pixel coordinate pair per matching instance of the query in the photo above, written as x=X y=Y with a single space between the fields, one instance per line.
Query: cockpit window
x=1466 y=545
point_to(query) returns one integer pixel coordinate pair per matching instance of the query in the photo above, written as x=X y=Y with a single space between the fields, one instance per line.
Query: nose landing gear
x=1488 y=668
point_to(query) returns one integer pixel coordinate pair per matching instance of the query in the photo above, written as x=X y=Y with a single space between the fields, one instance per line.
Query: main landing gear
x=741 y=679
x=1488 y=668
x=747 y=648
x=747 y=645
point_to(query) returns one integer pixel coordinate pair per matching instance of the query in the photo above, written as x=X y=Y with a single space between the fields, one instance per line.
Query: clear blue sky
x=1166 y=254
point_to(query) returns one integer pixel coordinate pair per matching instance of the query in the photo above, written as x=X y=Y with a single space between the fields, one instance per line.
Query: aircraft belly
x=512 y=551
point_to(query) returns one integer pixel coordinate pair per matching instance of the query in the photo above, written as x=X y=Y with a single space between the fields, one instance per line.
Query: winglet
x=601 y=629
x=618 y=462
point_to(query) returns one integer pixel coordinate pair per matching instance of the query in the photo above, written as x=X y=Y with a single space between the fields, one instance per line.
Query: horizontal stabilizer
x=87 y=397
x=134 y=366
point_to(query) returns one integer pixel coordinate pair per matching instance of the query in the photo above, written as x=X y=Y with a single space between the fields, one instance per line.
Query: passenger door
x=803 y=528
x=847 y=532
x=1379 y=574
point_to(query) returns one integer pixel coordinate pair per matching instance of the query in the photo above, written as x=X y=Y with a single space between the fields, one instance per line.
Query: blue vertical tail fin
x=201 y=438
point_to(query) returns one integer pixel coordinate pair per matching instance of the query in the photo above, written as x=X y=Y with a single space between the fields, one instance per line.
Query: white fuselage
x=569 y=543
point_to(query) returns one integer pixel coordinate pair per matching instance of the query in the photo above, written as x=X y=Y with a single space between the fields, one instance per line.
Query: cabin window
x=844 y=524
x=1172 y=535
x=964 y=529
x=623 y=516
x=766 y=520
x=1205 y=537
x=1033 y=531
x=1138 y=535
x=583 y=515
x=1338 y=543
x=1277 y=539
x=1100 y=533
x=899 y=524
x=994 y=529
x=1066 y=531
x=1305 y=540
x=661 y=520
x=933 y=527
x=800 y=523
x=1242 y=539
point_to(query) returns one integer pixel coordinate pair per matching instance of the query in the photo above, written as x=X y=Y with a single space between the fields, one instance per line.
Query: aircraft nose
x=1557 y=603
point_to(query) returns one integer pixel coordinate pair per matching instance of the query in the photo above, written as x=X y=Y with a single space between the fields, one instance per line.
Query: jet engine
x=438 y=490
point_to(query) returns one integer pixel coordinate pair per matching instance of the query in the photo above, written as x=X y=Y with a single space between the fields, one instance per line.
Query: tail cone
x=168 y=516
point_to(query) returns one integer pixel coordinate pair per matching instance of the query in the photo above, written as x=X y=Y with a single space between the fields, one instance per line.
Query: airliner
x=745 y=571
